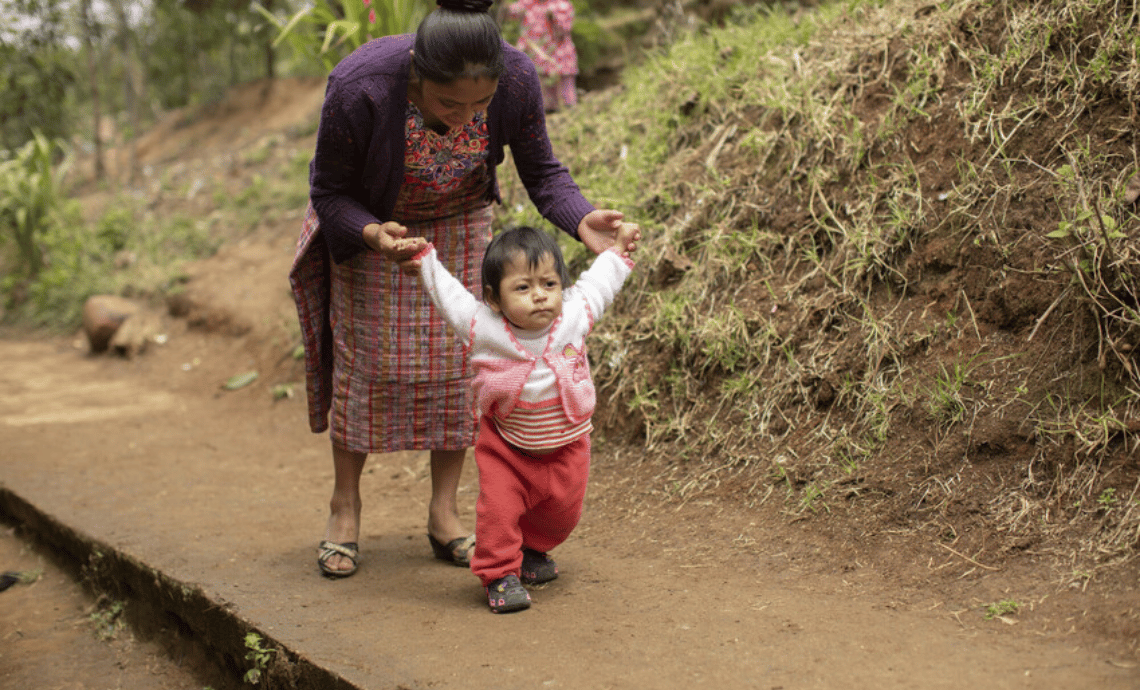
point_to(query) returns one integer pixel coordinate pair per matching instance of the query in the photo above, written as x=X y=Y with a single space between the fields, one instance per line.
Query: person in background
x=533 y=393
x=412 y=129
x=546 y=26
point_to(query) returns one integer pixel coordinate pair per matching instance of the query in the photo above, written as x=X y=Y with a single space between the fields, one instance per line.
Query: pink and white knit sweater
x=535 y=385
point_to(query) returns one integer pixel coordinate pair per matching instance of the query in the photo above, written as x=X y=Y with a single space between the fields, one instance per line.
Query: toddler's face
x=530 y=297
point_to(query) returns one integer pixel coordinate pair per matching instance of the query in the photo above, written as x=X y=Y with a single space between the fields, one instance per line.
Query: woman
x=546 y=38
x=412 y=129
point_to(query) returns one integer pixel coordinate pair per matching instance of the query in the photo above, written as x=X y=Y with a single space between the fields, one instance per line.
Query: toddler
x=533 y=395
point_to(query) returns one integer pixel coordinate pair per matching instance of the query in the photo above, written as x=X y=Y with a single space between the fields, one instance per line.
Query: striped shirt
x=541 y=428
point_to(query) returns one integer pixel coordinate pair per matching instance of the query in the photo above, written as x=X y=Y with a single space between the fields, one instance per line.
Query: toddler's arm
x=454 y=301
x=600 y=283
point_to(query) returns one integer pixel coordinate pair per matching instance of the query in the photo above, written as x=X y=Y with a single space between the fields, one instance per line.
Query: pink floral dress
x=546 y=26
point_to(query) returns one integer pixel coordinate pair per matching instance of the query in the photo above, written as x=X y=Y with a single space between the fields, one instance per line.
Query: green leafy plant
x=37 y=72
x=108 y=621
x=328 y=31
x=811 y=497
x=1107 y=499
x=259 y=655
x=113 y=230
x=945 y=402
x=31 y=197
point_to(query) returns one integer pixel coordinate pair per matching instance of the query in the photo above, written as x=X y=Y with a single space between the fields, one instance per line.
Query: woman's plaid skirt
x=383 y=366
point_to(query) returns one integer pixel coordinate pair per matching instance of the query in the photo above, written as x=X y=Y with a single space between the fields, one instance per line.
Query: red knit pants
x=524 y=500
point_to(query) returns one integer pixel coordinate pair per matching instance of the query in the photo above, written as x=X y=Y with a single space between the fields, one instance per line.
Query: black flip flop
x=457 y=551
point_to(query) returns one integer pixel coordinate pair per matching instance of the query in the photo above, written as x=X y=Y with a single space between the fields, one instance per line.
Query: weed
x=113 y=231
x=1005 y=607
x=811 y=497
x=724 y=340
x=944 y=401
x=672 y=320
x=327 y=30
x=740 y=384
x=108 y=622
x=261 y=153
x=259 y=655
x=779 y=474
x=851 y=453
x=252 y=195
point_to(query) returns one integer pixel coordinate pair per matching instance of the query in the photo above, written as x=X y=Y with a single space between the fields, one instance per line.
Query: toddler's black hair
x=459 y=40
x=533 y=243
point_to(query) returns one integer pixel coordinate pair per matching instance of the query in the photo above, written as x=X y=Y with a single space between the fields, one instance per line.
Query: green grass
x=137 y=248
x=796 y=150
x=108 y=620
x=999 y=609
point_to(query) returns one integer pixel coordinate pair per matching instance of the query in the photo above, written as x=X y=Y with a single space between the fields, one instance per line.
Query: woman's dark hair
x=530 y=242
x=458 y=40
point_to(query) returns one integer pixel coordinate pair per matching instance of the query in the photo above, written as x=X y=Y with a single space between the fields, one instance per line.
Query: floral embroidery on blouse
x=581 y=370
x=441 y=161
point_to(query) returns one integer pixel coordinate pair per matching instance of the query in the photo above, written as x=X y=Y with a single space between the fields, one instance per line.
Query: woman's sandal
x=457 y=551
x=327 y=549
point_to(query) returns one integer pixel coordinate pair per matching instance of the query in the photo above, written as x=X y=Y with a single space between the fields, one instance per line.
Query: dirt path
x=221 y=495
x=201 y=509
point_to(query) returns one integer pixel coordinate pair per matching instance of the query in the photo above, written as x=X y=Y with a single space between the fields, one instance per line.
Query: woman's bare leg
x=443 y=512
x=344 y=507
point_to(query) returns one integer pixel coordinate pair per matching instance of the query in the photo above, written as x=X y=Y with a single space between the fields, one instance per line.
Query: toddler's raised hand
x=628 y=235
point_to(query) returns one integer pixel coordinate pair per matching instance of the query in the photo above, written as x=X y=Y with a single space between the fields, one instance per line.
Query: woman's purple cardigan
x=358 y=168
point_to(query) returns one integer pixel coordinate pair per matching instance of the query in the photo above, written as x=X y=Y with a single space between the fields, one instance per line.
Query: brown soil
x=200 y=508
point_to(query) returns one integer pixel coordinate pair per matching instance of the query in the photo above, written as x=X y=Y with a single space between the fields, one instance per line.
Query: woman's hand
x=389 y=240
x=599 y=229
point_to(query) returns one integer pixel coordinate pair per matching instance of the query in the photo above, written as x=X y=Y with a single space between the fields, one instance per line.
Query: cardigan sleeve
x=336 y=173
x=358 y=164
x=548 y=183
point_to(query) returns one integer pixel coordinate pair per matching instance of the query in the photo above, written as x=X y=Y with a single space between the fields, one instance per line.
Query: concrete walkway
x=205 y=506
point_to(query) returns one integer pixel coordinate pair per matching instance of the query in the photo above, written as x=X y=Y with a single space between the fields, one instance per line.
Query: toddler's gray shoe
x=537 y=567
x=507 y=594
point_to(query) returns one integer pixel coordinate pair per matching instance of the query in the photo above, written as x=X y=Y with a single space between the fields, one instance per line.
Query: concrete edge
x=160 y=605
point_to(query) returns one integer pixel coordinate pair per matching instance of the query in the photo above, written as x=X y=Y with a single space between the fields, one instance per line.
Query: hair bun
x=480 y=6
